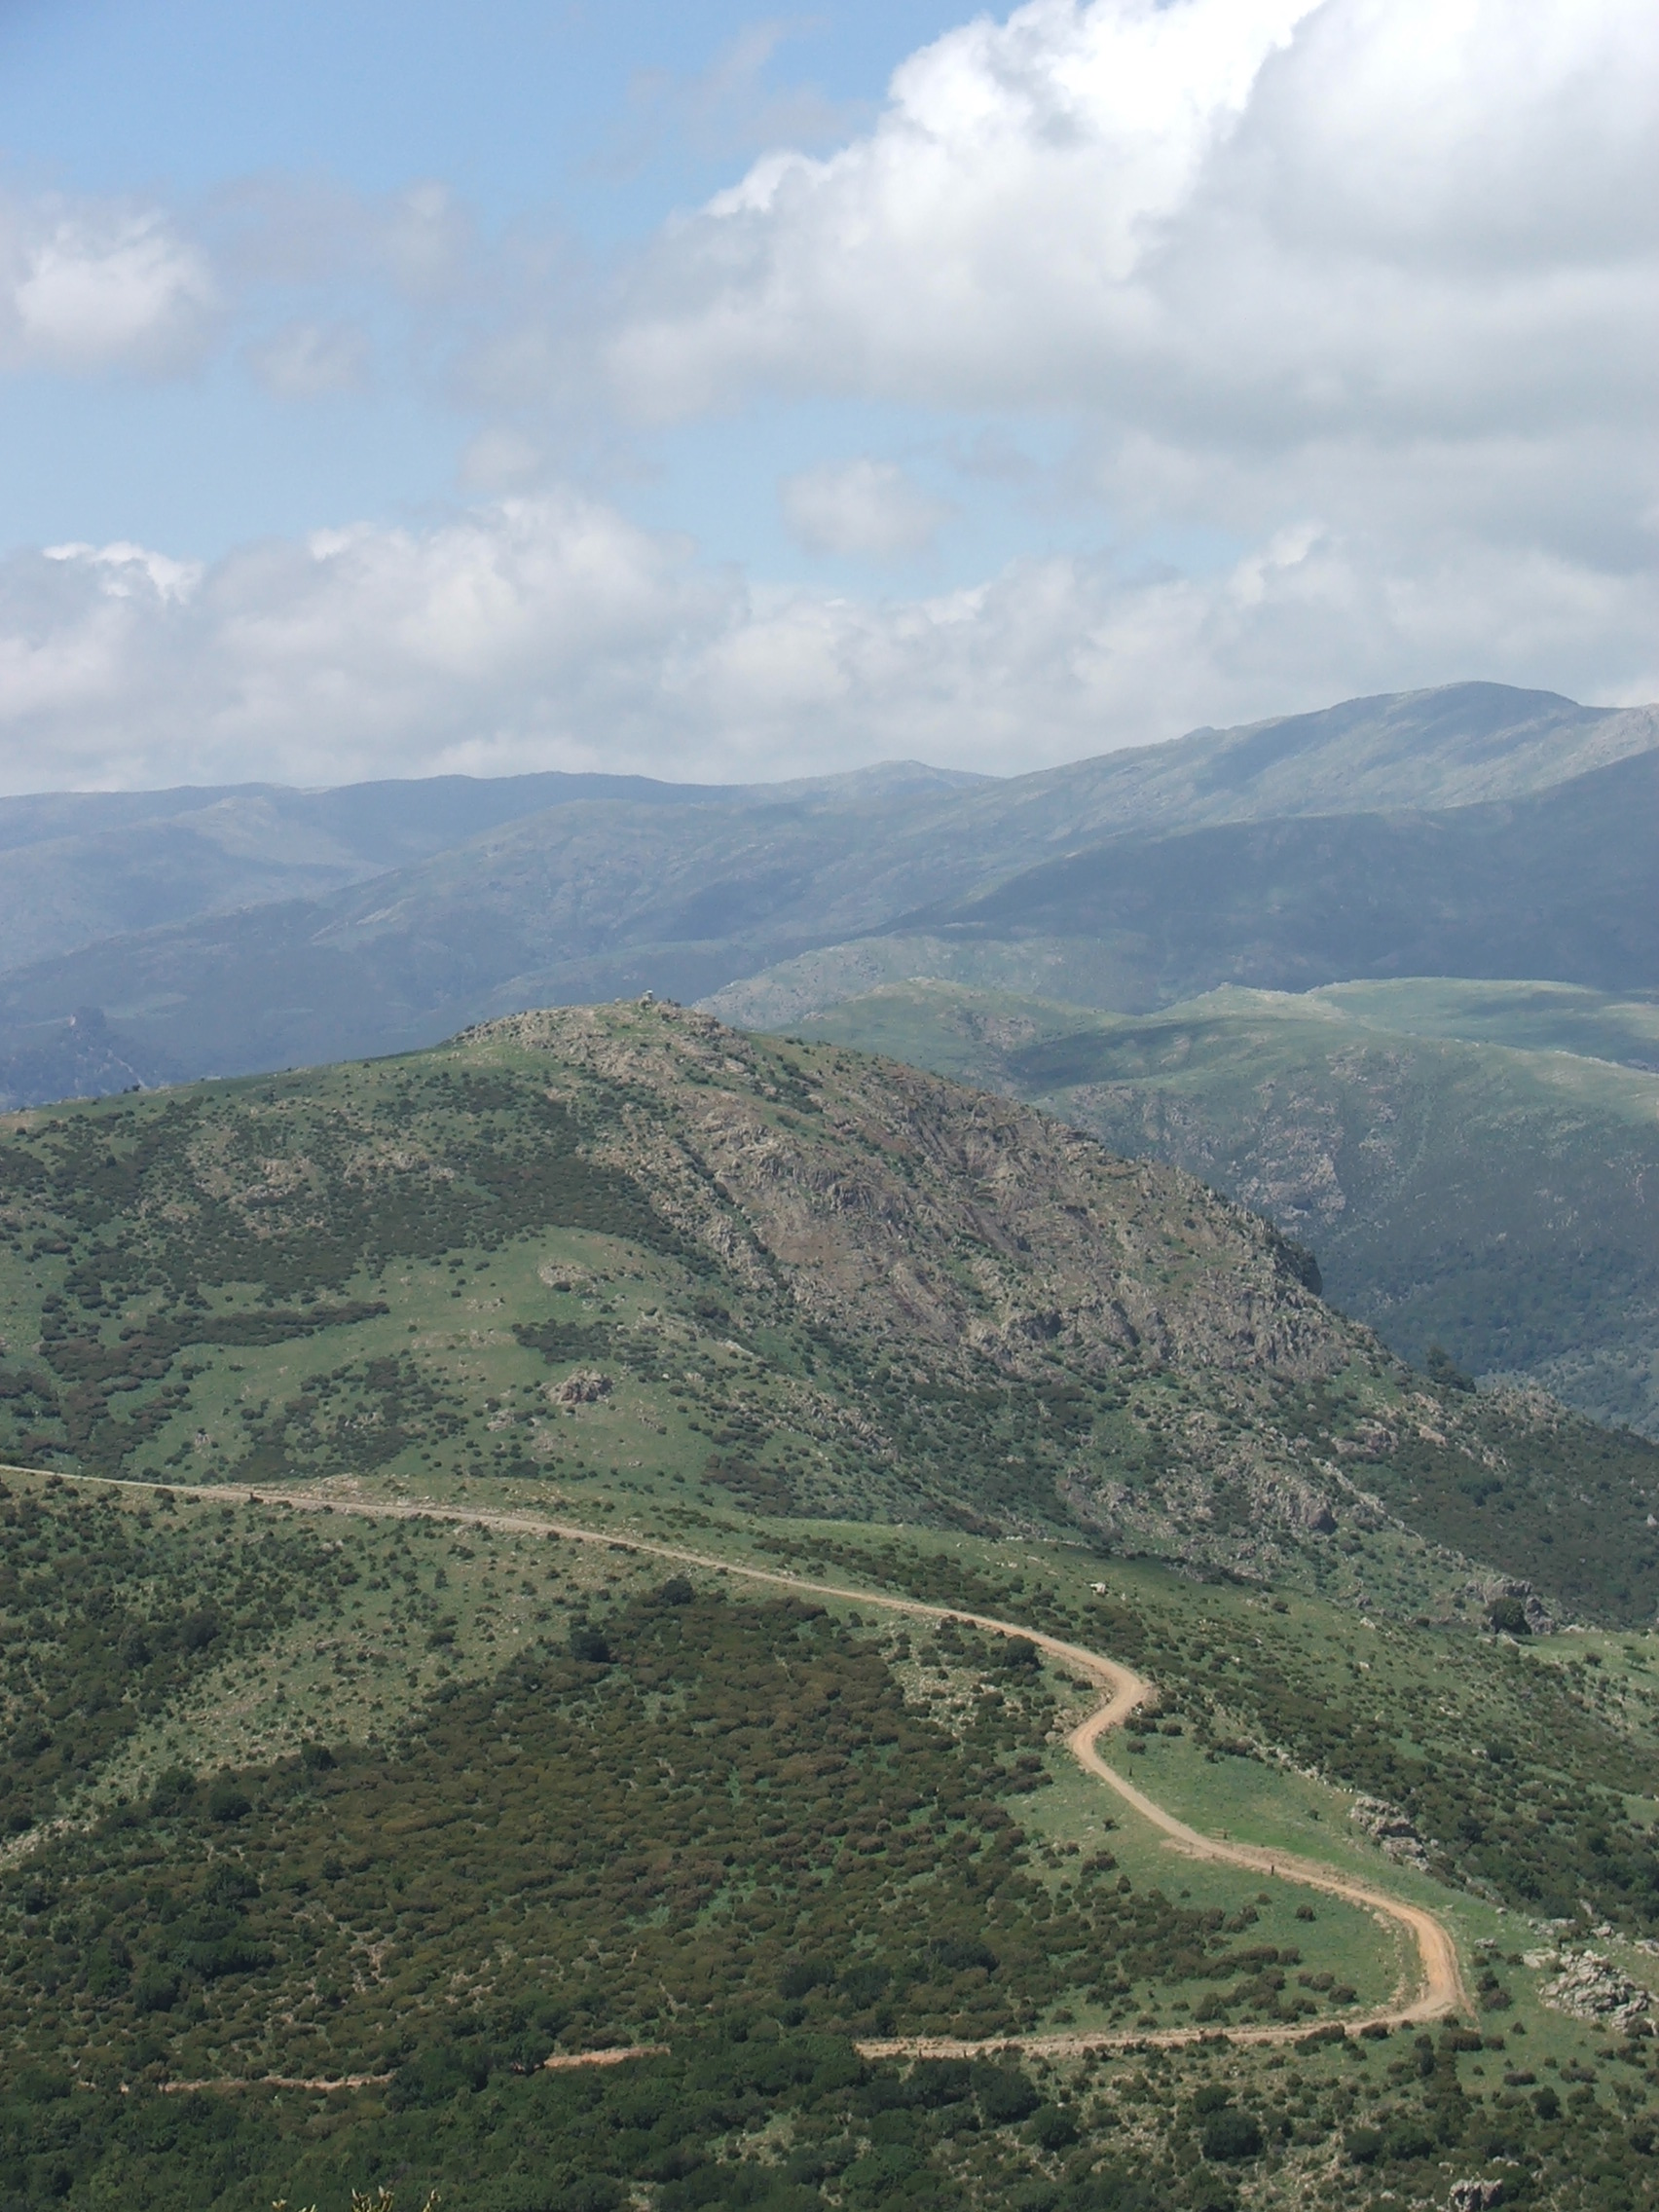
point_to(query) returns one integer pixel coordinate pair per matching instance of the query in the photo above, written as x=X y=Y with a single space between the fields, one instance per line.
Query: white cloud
x=312 y=360
x=94 y=286
x=1238 y=217
x=1359 y=296
x=861 y=507
x=551 y=632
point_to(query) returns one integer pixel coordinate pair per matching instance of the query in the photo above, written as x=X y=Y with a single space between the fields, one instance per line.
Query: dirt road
x=1440 y=1988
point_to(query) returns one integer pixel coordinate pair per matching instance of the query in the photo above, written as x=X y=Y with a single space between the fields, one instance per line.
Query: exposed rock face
x=1475 y=2196
x=1591 y=1987
x=1540 y=1621
x=586 y=1390
x=890 y=1198
x=1391 y=1828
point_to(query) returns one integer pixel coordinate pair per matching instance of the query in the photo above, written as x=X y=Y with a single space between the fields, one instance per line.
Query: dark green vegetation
x=720 y=1806
x=1529 y=1775
x=781 y=2121
x=1470 y=1161
x=765 y=1276
x=109 y=1618
x=731 y=1828
x=1185 y=865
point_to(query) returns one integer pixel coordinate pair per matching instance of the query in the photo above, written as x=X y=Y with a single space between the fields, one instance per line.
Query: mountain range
x=1472 y=830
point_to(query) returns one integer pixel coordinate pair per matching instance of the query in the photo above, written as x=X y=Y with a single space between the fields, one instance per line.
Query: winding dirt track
x=1440 y=1988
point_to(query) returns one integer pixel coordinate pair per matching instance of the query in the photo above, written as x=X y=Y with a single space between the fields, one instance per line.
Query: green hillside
x=627 y=1242
x=440 y=1795
x=1470 y=1161
x=504 y=1574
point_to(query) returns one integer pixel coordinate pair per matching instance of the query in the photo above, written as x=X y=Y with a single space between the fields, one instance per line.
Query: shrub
x=957 y=1954
x=42 y=2084
x=1363 y=2145
x=1231 y=2135
x=226 y=1802
x=433 y=2077
x=1005 y=2095
x=802 y=1976
x=174 y=1789
x=937 y=2081
x=863 y=1984
x=1051 y=2129
x=156 y=1990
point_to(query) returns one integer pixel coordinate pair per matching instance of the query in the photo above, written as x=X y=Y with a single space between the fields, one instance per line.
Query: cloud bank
x=553 y=632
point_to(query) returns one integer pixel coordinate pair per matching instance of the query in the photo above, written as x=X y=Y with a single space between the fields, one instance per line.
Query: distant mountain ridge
x=1386 y=836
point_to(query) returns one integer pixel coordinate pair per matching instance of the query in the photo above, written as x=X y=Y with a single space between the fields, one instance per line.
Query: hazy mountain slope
x=1493 y=1200
x=86 y=865
x=1459 y=745
x=867 y=1291
x=1563 y=885
x=687 y=892
x=1530 y=1016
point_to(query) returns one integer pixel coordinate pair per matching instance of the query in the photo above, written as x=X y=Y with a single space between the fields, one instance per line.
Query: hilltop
x=788 y=1279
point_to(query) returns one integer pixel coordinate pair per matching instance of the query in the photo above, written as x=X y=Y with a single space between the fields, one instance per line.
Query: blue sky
x=386 y=388
x=590 y=123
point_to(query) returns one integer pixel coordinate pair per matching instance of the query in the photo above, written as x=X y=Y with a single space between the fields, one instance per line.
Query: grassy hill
x=1470 y=1161
x=441 y=1795
x=398 y=1688
x=627 y=1242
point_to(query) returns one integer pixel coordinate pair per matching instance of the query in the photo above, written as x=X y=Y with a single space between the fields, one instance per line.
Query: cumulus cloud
x=549 y=630
x=861 y=507
x=1238 y=217
x=86 y=287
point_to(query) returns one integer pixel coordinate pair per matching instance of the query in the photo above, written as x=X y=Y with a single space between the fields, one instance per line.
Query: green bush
x=1051 y=2129
x=227 y=1802
x=1005 y=2095
x=1231 y=2135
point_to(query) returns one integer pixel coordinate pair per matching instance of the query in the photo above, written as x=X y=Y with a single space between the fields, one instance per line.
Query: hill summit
x=757 y=1278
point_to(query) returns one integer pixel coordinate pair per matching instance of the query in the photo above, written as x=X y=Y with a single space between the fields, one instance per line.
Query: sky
x=389 y=391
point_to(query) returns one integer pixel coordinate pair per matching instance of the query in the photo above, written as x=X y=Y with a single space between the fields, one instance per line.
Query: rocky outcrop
x=889 y=1198
x=1490 y=1590
x=1391 y=1828
x=1475 y=2196
x=1589 y=1987
x=584 y=1389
